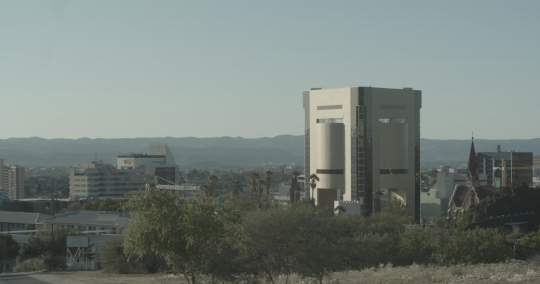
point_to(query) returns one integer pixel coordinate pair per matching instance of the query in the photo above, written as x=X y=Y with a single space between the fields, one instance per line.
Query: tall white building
x=13 y=181
x=362 y=139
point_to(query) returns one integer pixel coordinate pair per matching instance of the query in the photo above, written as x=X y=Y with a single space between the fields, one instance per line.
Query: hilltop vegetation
x=200 y=237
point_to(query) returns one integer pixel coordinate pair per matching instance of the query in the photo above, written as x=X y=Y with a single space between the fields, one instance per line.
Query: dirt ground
x=482 y=273
x=99 y=277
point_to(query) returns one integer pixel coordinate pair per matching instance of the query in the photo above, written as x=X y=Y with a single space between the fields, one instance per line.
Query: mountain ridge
x=220 y=152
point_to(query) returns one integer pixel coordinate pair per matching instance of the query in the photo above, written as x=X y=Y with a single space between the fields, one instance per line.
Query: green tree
x=187 y=234
x=528 y=245
x=9 y=249
x=236 y=188
x=212 y=186
x=254 y=177
x=268 y=182
x=272 y=240
x=395 y=207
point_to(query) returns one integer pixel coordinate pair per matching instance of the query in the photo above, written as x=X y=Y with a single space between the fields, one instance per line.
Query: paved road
x=10 y=278
x=35 y=278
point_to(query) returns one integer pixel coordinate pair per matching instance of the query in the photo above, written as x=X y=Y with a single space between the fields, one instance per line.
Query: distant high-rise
x=359 y=140
x=13 y=181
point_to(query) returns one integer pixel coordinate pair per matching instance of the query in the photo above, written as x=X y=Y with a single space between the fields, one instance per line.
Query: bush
x=416 y=246
x=473 y=246
x=59 y=262
x=29 y=265
x=113 y=260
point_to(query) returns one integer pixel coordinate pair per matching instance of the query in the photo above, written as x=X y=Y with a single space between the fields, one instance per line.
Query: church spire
x=472 y=166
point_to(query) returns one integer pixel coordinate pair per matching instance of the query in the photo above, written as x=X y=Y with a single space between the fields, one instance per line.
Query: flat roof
x=141 y=156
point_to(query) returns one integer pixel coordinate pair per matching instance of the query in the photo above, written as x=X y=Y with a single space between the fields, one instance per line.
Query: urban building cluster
x=132 y=172
x=486 y=172
x=363 y=143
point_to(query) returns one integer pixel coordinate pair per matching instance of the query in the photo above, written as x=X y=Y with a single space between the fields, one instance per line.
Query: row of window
x=329 y=107
x=330 y=120
x=392 y=171
x=392 y=120
x=330 y=171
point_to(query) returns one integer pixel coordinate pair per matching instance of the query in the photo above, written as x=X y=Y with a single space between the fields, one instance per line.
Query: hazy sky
x=112 y=69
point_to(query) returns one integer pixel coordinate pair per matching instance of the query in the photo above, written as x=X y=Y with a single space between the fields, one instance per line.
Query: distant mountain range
x=220 y=152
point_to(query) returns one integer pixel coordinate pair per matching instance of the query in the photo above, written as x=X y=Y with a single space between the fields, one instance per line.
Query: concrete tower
x=361 y=139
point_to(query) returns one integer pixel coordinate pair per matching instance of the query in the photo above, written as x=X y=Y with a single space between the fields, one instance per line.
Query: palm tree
x=212 y=186
x=254 y=177
x=294 y=186
x=236 y=185
x=313 y=179
x=268 y=182
x=377 y=201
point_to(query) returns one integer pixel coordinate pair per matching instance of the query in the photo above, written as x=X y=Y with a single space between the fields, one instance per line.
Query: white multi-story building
x=98 y=179
x=132 y=173
x=159 y=162
x=362 y=139
x=13 y=181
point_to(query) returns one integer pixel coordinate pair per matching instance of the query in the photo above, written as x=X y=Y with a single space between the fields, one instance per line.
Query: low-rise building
x=99 y=222
x=19 y=221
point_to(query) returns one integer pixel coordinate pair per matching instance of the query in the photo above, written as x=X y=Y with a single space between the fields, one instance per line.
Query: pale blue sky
x=112 y=69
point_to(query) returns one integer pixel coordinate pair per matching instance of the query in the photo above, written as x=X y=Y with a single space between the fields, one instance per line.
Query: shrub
x=416 y=246
x=29 y=265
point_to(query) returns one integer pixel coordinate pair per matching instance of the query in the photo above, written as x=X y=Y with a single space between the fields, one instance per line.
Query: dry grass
x=483 y=273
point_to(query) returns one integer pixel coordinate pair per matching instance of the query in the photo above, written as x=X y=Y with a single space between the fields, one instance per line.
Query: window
x=330 y=171
x=329 y=107
x=392 y=120
x=330 y=120
x=392 y=171
x=395 y=107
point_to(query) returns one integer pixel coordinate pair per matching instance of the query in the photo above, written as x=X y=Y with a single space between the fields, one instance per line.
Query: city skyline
x=73 y=69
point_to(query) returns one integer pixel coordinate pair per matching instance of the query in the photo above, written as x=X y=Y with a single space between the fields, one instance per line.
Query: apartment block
x=13 y=181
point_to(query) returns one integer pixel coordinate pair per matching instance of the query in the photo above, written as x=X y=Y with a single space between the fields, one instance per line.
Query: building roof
x=482 y=192
x=89 y=217
x=141 y=156
x=22 y=217
x=485 y=191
